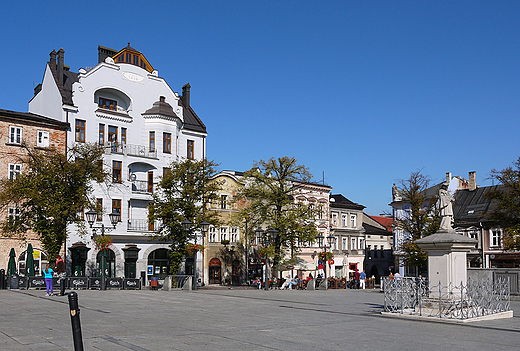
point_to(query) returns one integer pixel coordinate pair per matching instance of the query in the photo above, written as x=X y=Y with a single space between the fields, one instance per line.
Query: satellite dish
x=454 y=184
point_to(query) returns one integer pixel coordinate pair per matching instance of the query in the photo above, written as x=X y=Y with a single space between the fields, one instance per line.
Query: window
x=99 y=209
x=335 y=219
x=14 y=170
x=116 y=207
x=123 y=135
x=166 y=171
x=344 y=220
x=15 y=135
x=353 y=245
x=212 y=234
x=223 y=202
x=234 y=234
x=191 y=151
x=473 y=234
x=101 y=134
x=223 y=233
x=167 y=143
x=112 y=134
x=107 y=104
x=353 y=221
x=361 y=243
x=116 y=171
x=43 y=139
x=344 y=243
x=14 y=213
x=496 y=237
x=150 y=182
x=80 y=131
x=152 y=141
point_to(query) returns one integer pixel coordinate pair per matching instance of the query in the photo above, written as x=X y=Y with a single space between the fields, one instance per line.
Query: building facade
x=347 y=220
x=379 y=259
x=19 y=130
x=124 y=105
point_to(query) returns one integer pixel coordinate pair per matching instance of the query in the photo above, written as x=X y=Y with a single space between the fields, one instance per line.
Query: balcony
x=142 y=187
x=130 y=150
x=142 y=225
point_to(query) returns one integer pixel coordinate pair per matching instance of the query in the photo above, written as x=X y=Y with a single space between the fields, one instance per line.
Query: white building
x=144 y=125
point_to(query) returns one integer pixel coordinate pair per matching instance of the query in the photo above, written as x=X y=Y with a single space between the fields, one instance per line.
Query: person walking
x=62 y=273
x=48 y=280
x=362 y=277
x=356 y=278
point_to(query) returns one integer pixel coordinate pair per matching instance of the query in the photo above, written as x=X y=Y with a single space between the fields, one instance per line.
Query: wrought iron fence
x=415 y=296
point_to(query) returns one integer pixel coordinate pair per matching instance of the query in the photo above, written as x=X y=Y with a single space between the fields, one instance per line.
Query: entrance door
x=215 y=270
x=235 y=272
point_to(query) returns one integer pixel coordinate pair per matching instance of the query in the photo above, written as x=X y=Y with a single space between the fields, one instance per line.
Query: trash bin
x=14 y=282
x=2 y=279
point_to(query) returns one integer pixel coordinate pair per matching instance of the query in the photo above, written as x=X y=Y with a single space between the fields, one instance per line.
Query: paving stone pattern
x=235 y=319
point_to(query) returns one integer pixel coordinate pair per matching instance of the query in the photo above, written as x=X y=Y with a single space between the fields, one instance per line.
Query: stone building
x=144 y=125
x=19 y=130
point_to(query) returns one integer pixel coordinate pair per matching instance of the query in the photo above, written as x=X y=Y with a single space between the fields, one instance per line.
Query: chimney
x=61 y=58
x=52 y=60
x=472 y=180
x=448 y=177
x=186 y=94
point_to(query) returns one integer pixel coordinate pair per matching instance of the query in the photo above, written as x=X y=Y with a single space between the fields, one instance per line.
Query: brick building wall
x=18 y=129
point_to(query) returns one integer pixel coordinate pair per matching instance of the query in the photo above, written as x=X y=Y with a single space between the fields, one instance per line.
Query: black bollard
x=74 y=319
x=2 y=279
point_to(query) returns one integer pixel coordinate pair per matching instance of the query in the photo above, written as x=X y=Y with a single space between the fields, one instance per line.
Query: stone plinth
x=447 y=256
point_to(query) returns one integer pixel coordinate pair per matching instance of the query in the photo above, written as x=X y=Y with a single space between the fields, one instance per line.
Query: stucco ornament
x=395 y=194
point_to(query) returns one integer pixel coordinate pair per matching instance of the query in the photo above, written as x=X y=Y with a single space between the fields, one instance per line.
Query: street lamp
x=265 y=239
x=115 y=217
x=187 y=226
x=329 y=244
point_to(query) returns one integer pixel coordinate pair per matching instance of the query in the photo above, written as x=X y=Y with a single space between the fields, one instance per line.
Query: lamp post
x=321 y=243
x=114 y=219
x=266 y=239
x=187 y=227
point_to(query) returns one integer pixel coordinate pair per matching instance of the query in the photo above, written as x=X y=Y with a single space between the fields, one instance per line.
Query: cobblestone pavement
x=237 y=319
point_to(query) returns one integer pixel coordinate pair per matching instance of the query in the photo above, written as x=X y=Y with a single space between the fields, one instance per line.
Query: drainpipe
x=482 y=244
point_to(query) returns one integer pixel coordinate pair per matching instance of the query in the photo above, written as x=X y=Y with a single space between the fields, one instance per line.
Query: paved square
x=235 y=320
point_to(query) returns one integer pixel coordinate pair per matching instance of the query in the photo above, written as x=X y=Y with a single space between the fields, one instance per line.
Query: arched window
x=110 y=264
x=40 y=262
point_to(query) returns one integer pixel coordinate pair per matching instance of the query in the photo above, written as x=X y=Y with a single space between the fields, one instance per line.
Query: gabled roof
x=341 y=201
x=28 y=118
x=142 y=62
x=384 y=221
x=69 y=78
x=472 y=207
x=192 y=121
x=372 y=230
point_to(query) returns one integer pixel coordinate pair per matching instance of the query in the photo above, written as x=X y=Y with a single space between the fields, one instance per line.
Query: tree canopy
x=49 y=193
x=507 y=199
x=182 y=194
x=269 y=188
x=420 y=219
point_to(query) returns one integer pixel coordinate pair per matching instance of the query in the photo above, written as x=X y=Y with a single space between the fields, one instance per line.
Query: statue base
x=446 y=251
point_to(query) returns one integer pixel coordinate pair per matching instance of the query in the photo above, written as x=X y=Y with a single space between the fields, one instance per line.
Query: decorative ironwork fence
x=417 y=297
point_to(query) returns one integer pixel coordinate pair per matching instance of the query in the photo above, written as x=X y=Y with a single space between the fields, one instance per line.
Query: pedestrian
x=356 y=278
x=362 y=277
x=62 y=273
x=48 y=280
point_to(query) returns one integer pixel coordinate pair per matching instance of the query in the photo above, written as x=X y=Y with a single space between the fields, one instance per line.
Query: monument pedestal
x=447 y=256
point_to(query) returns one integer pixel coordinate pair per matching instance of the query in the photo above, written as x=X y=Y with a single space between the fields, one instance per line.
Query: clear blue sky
x=362 y=91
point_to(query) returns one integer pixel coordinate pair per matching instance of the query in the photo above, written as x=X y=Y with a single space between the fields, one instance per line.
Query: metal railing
x=477 y=298
x=142 y=225
x=130 y=149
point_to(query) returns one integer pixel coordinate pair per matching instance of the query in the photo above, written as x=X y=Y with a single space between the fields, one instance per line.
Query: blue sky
x=364 y=92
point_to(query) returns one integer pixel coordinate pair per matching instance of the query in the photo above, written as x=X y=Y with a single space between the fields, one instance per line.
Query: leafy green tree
x=507 y=200
x=269 y=189
x=183 y=194
x=50 y=192
x=422 y=218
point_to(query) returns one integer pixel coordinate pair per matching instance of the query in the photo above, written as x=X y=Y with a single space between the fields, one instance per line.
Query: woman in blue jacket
x=47 y=272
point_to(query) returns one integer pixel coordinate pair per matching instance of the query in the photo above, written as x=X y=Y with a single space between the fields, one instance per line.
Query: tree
x=419 y=220
x=50 y=192
x=183 y=194
x=507 y=200
x=269 y=188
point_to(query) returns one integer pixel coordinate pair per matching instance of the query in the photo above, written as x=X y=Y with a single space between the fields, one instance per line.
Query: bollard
x=2 y=279
x=74 y=319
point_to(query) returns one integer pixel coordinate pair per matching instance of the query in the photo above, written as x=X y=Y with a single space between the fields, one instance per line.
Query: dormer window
x=107 y=104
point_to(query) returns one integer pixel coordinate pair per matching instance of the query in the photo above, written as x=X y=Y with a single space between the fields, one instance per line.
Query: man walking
x=362 y=277
x=62 y=273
